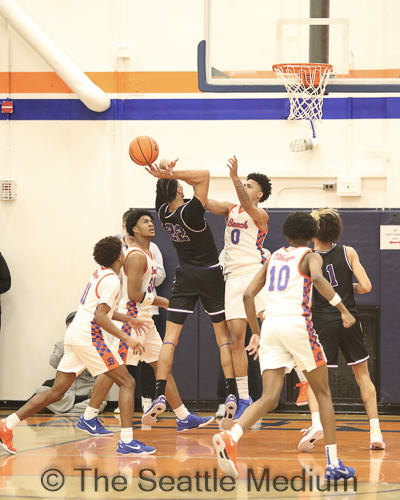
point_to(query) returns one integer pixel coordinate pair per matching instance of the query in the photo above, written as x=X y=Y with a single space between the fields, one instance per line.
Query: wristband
x=148 y=299
x=335 y=300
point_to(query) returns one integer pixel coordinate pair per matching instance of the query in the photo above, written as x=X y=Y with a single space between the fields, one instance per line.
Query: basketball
x=143 y=150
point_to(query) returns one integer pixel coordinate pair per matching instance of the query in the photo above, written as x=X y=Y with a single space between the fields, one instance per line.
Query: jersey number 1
x=332 y=277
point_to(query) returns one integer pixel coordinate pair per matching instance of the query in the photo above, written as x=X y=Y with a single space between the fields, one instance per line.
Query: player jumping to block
x=199 y=274
x=246 y=229
x=85 y=346
x=287 y=338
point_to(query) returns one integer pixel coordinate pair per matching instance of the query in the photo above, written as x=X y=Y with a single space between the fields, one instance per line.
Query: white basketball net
x=305 y=85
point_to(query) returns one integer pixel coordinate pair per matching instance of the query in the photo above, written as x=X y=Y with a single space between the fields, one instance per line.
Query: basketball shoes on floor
x=221 y=411
x=6 y=438
x=338 y=473
x=226 y=450
x=192 y=421
x=93 y=427
x=376 y=440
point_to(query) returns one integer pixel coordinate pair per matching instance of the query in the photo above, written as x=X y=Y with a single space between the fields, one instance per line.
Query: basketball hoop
x=305 y=85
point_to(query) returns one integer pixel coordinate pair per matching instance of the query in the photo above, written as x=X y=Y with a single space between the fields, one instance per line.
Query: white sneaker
x=102 y=406
x=117 y=410
x=311 y=435
x=146 y=403
x=376 y=440
x=221 y=411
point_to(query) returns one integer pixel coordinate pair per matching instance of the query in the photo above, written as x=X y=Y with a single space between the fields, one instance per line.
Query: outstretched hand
x=164 y=171
x=233 y=166
x=140 y=327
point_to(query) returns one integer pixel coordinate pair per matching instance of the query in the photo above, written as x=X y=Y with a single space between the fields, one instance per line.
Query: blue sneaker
x=243 y=404
x=192 y=421
x=158 y=406
x=135 y=447
x=93 y=427
x=337 y=473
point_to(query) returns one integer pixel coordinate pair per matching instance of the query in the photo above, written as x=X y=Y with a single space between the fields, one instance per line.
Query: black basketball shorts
x=189 y=285
x=334 y=336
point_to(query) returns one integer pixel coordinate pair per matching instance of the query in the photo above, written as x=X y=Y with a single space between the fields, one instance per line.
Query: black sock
x=160 y=388
x=79 y=399
x=230 y=384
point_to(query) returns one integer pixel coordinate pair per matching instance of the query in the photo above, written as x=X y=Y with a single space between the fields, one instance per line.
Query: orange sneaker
x=302 y=398
x=6 y=438
x=226 y=450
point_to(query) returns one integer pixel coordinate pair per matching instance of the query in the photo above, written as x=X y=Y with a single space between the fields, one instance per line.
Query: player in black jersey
x=339 y=264
x=199 y=274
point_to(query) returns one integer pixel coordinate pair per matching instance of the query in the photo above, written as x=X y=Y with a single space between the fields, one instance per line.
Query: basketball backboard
x=243 y=39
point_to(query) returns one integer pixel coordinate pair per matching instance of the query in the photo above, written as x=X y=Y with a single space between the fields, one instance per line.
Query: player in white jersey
x=140 y=271
x=287 y=338
x=86 y=347
x=244 y=256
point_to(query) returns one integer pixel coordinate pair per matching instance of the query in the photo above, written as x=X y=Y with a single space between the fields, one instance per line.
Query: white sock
x=315 y=418
x=300 y=374
x=236 y=433
x=242 y=384
x=12 y=421
x=331 y=454
x=90 y=413
x=374 y=424
x=126 y=434
x=181 y=412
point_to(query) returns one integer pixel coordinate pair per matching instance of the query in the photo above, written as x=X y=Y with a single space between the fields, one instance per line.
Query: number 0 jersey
x=243 y=243
x=288 y=289
x=135 y=309
x=103 y=288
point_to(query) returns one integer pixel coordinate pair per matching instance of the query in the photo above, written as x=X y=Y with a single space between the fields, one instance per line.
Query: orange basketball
x=143 y=150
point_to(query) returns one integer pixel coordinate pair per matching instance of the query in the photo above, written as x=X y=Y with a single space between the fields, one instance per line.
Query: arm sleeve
x=159 y=264
x=58 y=353
x=193 y=214
x=5 y=276
x=108 y=289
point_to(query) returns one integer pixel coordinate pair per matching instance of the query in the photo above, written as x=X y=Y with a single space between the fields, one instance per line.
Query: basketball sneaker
x=230 y=412
x=311 y=435
x=6 y=438
x=243 y=405
x=302 y=398
x=226 y=450
x=337 y=473
x=134 y=447
x=376 y=440
x=158 y=406
x=93 y=427
x=146 y=403
x=192 y=421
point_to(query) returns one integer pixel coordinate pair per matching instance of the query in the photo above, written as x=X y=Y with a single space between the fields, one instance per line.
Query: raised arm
x=218 y=207
x=198 y=179
x=364 y=285
x=256 y=213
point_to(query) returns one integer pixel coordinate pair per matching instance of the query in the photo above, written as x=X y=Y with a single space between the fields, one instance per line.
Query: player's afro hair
x=330 y=226
x=133 y=218
x=264 y=182
x=300 y=226
x=166 y=189
x=107 y=251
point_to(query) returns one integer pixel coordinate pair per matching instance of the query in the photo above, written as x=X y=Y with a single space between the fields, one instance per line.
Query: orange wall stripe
x=111 y=82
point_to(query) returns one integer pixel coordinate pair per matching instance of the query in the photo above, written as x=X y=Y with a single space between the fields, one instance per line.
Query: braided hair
x=166 y=190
